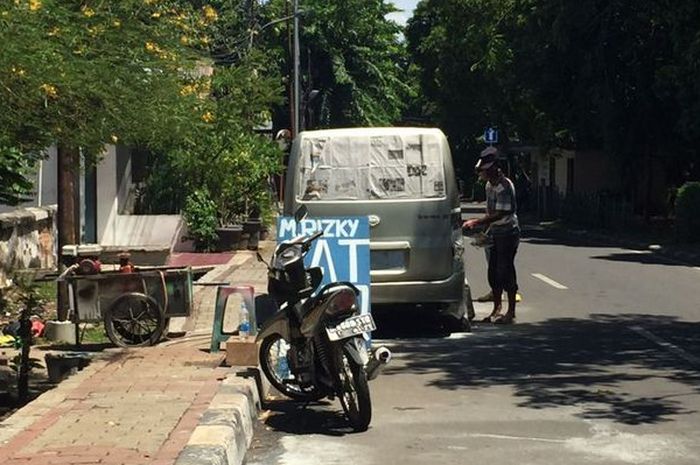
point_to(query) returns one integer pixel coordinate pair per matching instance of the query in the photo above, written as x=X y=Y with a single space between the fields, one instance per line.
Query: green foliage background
x=352 y=54
x=614 y=75
x=80 y=74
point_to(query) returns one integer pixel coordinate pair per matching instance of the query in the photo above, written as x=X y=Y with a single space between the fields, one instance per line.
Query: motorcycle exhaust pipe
x=380 y=358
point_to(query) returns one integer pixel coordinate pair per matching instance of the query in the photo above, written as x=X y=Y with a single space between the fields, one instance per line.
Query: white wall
x=114 y=229
x=107 y=203
x=560 y=170
x=141 y=230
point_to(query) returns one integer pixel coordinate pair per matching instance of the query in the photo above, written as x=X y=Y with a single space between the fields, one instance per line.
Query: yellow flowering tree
x=227 y=160
x=82 y=73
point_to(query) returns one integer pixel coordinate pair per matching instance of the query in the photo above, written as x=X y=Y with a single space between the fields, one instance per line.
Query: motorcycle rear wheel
x=354 y=392
x=275 y=365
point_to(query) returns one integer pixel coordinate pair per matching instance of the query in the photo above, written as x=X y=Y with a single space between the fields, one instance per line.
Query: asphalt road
x=602 y=366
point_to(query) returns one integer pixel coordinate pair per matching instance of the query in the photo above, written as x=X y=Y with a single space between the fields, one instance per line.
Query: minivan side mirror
x=301 y=213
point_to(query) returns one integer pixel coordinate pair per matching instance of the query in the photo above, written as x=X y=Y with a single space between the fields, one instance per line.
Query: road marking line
x=515 y=438
x=549 y=281
x=674 y=349
x=638 y=251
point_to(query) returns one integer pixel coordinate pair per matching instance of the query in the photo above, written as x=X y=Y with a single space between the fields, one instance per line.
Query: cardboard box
x=242 y=352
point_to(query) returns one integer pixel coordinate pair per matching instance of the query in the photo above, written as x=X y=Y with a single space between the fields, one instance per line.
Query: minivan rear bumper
x=423 y=292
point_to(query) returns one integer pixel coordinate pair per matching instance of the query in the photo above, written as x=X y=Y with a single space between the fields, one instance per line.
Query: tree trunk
x=68 y=211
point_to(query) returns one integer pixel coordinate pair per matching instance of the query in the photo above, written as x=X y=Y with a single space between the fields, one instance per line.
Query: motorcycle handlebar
x=304 y=241
x=314 y=236
x=307 y=242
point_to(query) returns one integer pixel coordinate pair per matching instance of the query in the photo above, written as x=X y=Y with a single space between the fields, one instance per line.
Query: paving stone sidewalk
x=142 y=405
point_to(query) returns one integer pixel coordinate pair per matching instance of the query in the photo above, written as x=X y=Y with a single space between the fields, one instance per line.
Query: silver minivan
x=404 y=181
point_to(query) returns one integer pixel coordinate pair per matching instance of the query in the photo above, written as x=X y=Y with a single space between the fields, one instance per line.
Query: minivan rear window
x=378 y=167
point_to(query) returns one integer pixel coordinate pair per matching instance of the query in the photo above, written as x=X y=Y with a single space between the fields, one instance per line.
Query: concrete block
x=61 y=365
x=199 y=455
x=60 y=331
x=211 y=435
x=242 y=352
x=177 y=326
x=229 y=401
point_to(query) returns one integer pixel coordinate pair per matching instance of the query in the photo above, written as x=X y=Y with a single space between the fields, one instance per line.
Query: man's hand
x=471 y=224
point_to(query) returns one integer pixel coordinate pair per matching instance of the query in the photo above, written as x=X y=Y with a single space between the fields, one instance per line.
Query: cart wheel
x=134 y=319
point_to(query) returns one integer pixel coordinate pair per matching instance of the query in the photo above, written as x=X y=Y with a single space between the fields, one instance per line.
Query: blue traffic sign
x=491 y=136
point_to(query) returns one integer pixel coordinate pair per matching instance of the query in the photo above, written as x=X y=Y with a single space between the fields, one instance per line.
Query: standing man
x=501 y=221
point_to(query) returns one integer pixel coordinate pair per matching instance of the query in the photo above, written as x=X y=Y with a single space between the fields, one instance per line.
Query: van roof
x=384 y=131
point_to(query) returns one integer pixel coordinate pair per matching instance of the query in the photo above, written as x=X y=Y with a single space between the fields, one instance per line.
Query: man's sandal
x=493 y=317
x=504 y=320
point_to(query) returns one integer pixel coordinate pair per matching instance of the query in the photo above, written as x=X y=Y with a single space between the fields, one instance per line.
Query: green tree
x=15 y=170
x=80 y=74
x=464 y=65
x=351 y=54
x=616 y=75
x=226 y=158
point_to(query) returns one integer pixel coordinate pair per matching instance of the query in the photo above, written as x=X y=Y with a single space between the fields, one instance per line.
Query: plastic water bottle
x=244 y=318
x=283 y=367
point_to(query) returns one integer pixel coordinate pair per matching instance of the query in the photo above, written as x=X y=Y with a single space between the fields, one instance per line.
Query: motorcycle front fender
x=278 y=324
x=356 y=349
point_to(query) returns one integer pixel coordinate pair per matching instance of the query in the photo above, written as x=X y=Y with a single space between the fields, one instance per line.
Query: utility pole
x=297 y=84
x=290 y=83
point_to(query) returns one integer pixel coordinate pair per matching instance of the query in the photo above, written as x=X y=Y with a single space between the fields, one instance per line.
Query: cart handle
x=214 y=283
x=67 y=271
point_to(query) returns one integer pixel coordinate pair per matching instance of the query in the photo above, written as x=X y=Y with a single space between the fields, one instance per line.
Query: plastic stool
x=218 y=335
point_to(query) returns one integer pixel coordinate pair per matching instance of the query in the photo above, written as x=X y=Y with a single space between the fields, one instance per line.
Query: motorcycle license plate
x=351 y=327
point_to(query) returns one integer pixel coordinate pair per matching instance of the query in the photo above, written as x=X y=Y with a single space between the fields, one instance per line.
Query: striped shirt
x=500 y=198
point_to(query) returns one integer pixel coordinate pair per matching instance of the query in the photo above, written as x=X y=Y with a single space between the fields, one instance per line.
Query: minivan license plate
x=351 y=327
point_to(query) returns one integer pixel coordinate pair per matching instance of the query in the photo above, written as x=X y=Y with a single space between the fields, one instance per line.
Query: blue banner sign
x=342 y=251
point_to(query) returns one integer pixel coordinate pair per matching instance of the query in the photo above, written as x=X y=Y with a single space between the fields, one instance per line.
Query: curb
x=225 y=429
x=224 y=432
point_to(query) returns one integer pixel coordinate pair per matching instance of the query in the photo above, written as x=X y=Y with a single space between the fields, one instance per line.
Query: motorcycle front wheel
x=353 y=391
x=274 y=362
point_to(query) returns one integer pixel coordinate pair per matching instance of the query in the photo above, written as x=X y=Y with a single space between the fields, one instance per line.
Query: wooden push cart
x=135 y=307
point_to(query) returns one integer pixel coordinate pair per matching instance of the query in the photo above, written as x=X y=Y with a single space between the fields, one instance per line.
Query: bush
x=200 y=217
x=687 y=212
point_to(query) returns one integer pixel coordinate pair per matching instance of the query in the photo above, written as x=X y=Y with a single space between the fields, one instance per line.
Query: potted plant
x=200 y=217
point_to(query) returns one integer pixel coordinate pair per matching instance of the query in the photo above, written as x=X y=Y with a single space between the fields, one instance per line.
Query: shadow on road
x=594 y=364
x=405 y=321
x=292 y=417
x=539 y=236
x=642 y=259
x=326 y=417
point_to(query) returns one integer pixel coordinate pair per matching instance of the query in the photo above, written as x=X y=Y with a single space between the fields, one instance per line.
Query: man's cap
x=487 y=158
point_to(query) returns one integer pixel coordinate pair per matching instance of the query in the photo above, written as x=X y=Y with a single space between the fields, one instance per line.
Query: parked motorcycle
x=313 y=347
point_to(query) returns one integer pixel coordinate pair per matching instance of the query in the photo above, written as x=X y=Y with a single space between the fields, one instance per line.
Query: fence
x=600 y=210
x=27 y=240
